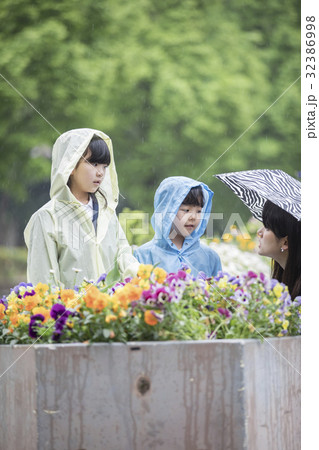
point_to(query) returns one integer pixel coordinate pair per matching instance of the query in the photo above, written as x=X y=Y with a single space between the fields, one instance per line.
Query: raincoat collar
x=67 y=151
x=168 y=198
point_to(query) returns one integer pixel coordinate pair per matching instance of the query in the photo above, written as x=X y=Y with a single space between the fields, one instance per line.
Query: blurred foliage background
x=173 y=83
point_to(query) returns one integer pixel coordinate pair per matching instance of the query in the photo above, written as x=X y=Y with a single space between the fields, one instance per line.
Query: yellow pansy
x=144 y=271
x=24 y=318
x=278 y=290
x=159 y=274
x=222 y=283
x=285 y=324
x=145 y=285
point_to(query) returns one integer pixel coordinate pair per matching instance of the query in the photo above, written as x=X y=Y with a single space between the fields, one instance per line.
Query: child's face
x=187 y=219
x=86 y=177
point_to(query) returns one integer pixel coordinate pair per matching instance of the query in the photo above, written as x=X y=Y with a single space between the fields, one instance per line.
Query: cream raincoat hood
x=61 y=237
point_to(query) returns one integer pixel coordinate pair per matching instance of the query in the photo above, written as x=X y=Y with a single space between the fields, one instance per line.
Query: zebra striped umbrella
x=254 y=187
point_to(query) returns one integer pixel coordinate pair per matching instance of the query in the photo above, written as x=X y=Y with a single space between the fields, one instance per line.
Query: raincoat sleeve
x=127 y=263
x=42 y=249
x=144 y=254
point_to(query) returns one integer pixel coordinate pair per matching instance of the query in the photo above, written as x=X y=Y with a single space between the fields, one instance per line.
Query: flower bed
x=221 y=394
x=204 y=388
x=154 y=306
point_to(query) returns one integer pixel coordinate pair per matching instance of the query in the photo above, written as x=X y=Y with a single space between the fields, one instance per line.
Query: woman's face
x=271 y=246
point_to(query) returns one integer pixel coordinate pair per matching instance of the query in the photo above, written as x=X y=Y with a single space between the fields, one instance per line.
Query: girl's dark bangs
x=100 y=153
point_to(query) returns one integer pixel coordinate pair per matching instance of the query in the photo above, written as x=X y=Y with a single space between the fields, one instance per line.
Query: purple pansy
x=148 y=294
x=252 y=274
x=273 y=283
x=60 y=322
x=26 y=294
x=16 y=289
x=57 y=310
x=34 y=324
x=224 y=312
x=4 y=302
x=201 y=275
x=240 y=296
x=101 y=278
x=297 y=301
x=162 y=295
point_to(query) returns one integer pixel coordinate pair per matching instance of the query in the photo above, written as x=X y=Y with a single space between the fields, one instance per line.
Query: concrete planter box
x=198 y=395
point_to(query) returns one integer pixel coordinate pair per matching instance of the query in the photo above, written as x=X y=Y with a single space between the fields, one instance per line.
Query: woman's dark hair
x=194 y=197
x=282 y=224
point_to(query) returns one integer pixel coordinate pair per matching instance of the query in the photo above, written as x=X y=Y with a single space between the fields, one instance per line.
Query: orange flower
x=101 y=302
x=67 y=294
x=42 y=310
x=149 y=318
x=92 y=294
x=110 y=317
x=12 y=308
x=133 y=292
x=14 y=318
x=41 y=288
x=2 y=309
x=115 y=304
x=121 y=298
x=48 y=301
x=31 y=301
x=159 y=274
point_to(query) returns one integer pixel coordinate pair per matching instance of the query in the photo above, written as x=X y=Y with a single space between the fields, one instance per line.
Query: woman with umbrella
x=274 y=197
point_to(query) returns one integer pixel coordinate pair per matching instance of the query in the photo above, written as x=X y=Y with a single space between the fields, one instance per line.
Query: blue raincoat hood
x=168 y=198
x=196 y=255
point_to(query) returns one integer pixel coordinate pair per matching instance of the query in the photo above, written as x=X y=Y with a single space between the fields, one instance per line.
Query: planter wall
x=229 y=394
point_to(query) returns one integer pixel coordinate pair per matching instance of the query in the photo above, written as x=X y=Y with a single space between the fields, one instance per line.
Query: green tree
x=174 y=84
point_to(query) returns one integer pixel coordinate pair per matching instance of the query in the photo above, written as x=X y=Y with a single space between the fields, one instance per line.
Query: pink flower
x=224 y=312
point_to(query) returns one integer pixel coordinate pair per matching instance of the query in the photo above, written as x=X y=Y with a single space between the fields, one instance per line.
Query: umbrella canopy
x=255 y=187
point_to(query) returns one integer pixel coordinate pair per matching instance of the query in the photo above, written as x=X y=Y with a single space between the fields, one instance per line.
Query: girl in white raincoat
x=78 y=228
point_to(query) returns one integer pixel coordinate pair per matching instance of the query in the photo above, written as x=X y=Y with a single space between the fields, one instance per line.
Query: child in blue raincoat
x=181 y=212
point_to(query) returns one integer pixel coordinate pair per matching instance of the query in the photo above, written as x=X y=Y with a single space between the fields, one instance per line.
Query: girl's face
x=187 y=219
x=270 y=245
x=86 y=178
